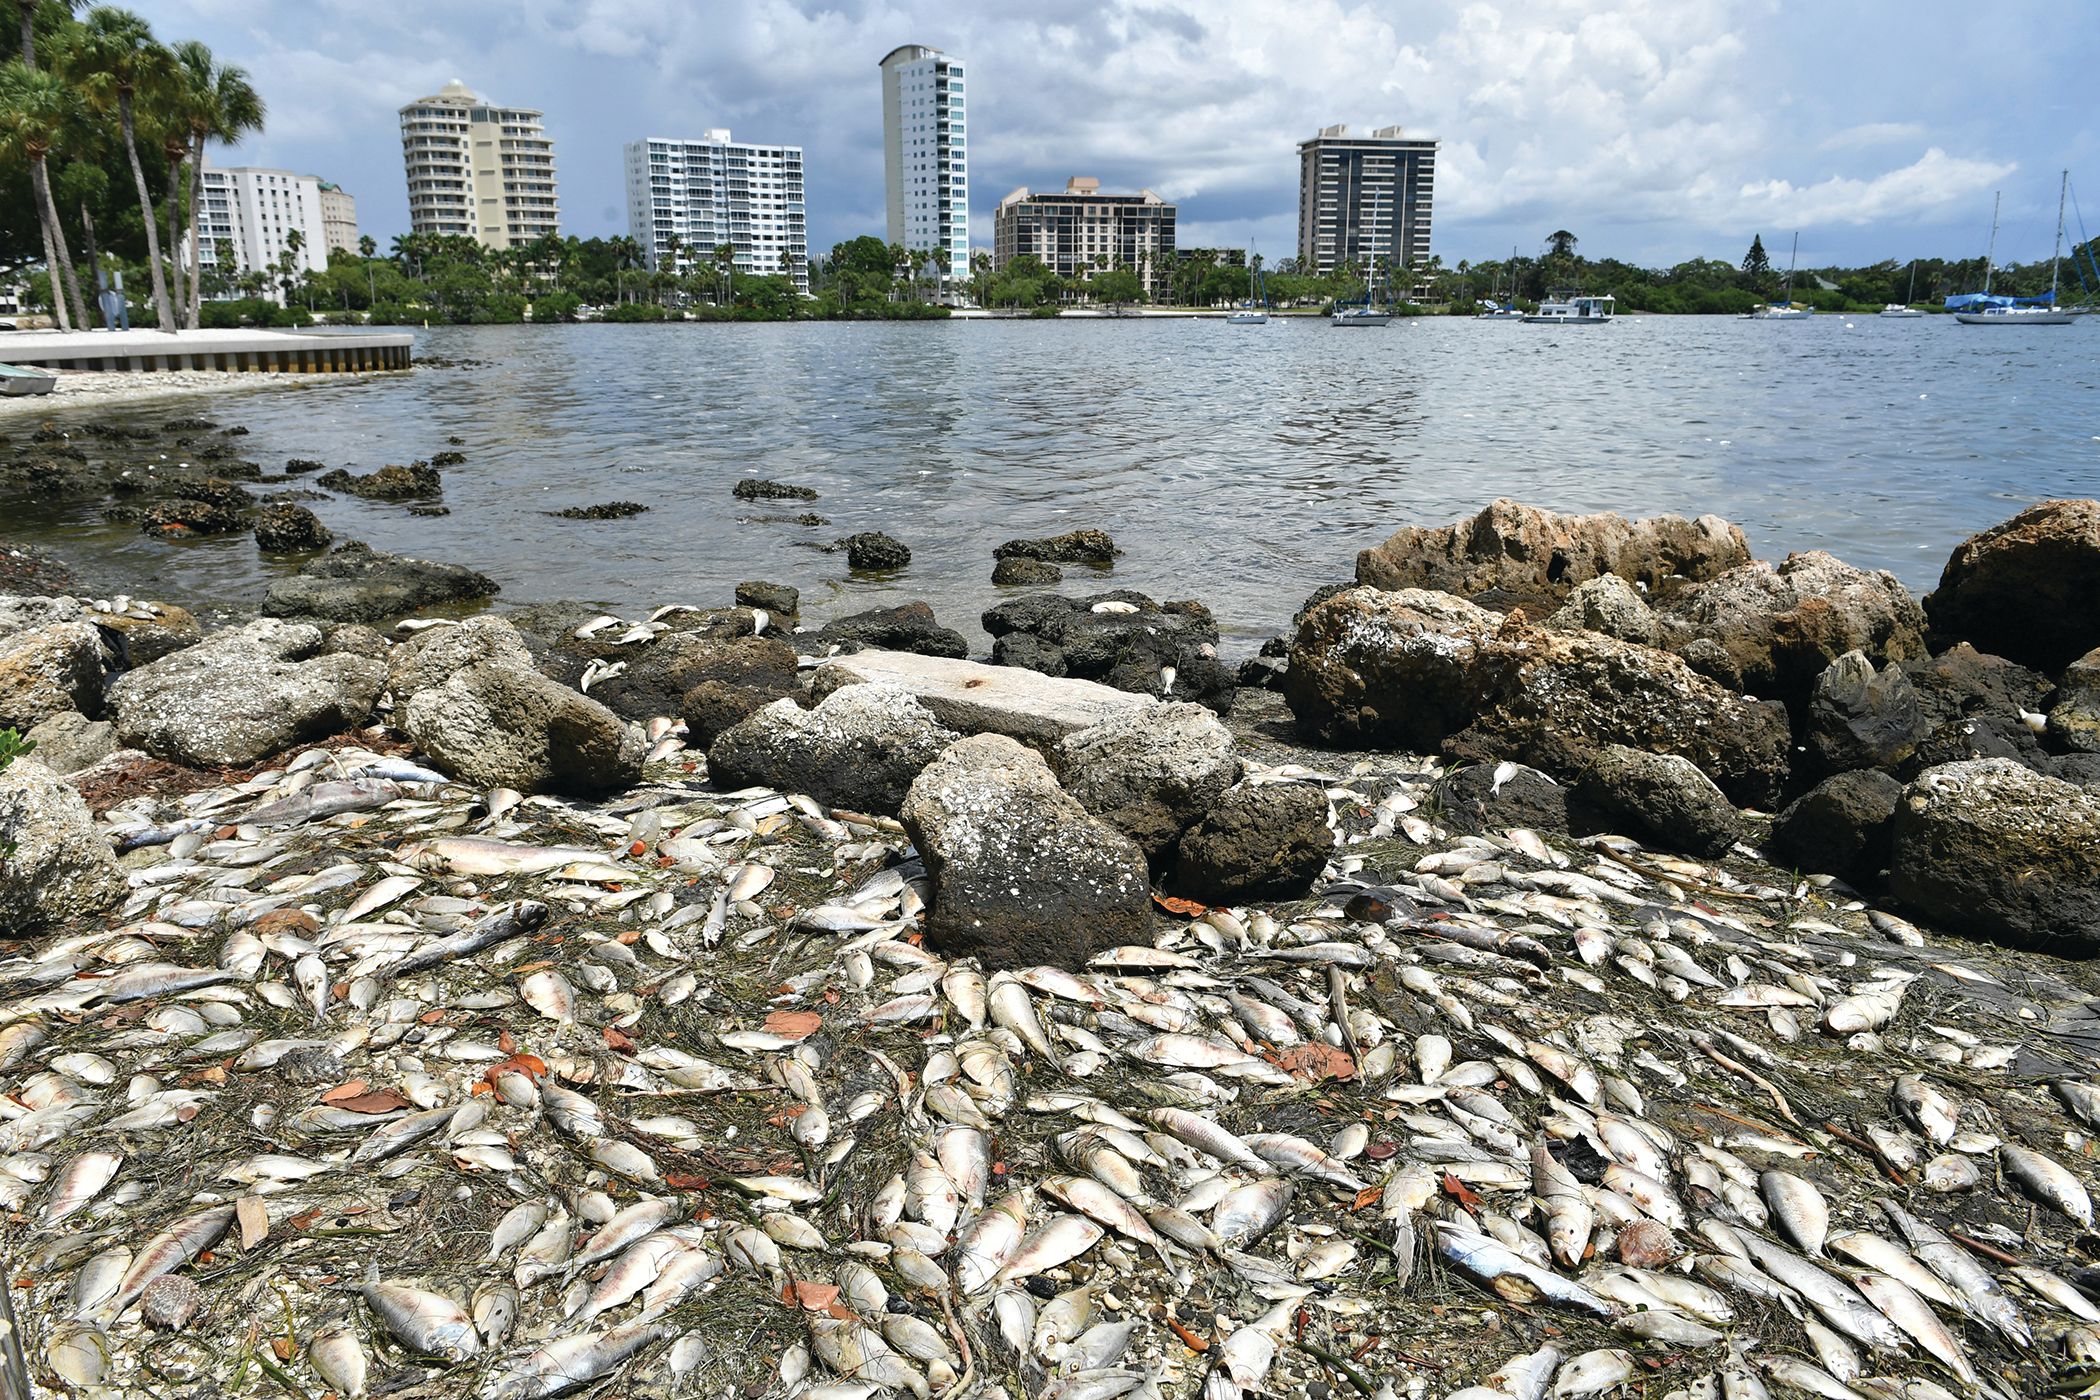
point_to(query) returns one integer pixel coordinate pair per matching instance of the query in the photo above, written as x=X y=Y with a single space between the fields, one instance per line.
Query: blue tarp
x=1969 y=301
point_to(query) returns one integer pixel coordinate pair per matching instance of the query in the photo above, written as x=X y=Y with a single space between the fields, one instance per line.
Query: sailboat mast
x=2056 y=253
x=1791 y=259
x=1990 y=252
x=1912 y=295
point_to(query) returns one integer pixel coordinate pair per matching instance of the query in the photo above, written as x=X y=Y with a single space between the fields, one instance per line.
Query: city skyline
x=1654 y=133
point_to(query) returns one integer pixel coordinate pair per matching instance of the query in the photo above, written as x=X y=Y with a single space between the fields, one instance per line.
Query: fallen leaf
x=617 y=1039
x=1458 y=1191
x=255 y=1221
x=1316 y=1060
x=506 y=1042
x=378 y=1101
x=1369 y=1196
x=795 y=1025
x=1175 y=904
x=816 y=1296
x=345 y=1091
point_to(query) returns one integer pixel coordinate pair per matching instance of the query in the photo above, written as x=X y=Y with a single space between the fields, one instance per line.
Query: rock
x=859 y=748
x=434 y=655
x=500 y=724
x=356 y=583
x=711 y=708
x=1667 y=799
x=48 y=671
x=68 y=742
x=1072 y=547
x=753 y=488
x=2024 y=588
x=1843 y=826
x=1611 y=605
x=145 y=632
x=1993 y=850
x=1021 y=874
x=389 y=483
x=21 y=612
x=2080 y=768
x=907 y=627
x=286 y=529
x=1417 y=670
x=1151 y=773
x=1520 y=554
x=181 y=515
x=300 y=466
x=1960 y=740
x=1859 y=717
x=60 y=867
x=1122 y=639
x=448 y=458
x=1016 y=569
x=611 y=510
x=1258 y=841
x=874 y=551
x=973 y=698
x=1483 y=797
x=659 y=676
x=1779 y=627
x=355 y=639
x=2074 y=720
x=776 y=598
x=242 y=695
x=1961 y=682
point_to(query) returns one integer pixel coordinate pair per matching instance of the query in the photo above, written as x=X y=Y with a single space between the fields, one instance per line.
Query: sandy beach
x=77 y=388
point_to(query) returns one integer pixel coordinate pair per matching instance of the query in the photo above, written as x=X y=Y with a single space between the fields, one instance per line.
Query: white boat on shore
x=1574 y=311
x=19 y=383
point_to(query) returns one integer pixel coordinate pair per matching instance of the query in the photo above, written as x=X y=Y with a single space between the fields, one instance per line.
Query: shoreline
x=89 y=389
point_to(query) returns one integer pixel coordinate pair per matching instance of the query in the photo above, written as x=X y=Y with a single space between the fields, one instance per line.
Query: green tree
x=113 y=55
x=216 y=102
x=35 y=106
x=1561 y=244
x=1116 y=286
x=1756 y=266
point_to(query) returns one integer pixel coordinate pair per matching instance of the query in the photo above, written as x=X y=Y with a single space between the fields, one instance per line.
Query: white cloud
x=1931 y=183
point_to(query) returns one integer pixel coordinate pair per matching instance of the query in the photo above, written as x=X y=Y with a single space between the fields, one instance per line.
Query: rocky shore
x=1579 y=956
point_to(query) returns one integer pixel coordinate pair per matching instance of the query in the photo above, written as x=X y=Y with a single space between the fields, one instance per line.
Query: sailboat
x=1987 y=310
x=1906 y=310
x=1497 y=312
x=1255 y=310
x=1366 y=313
x=1785 y=310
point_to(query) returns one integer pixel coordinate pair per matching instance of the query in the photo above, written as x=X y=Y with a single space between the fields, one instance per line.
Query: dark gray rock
x=1021 y=874
x=500 y=724
x=2024 y=588
x=906 y=627
x=49 y=670
x=69 y=742
x=1121 y=639
x=1997 y=851
x=660 y=674
x=2074 y=718
x=1961 y=740
x=1859 y=717
x=1666 y=800
x=610 y=510
x=1844 y=826
x=776 y=598
x=57 y=865
x=1258 y=841
x=1152 y=773
x=1019 y=570
x=417 y=480
x=742 y=677
x=180 y=515
x=242 y=695
x=860 y=748
x=755 y=488
x=874 y=552
x=286 y=529
x=1072 y=547
x=1962 y=682
x=1482 y=797
x=356 y=583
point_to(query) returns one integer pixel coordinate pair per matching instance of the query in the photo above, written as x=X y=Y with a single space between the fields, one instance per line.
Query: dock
x=232 y=351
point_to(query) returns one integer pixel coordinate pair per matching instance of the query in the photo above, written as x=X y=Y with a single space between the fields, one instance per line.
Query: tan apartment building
x=1079 y=231
x=478 y=170
x=338 y=218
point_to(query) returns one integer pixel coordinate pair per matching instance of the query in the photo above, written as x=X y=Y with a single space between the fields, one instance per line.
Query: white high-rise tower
x=925 y=156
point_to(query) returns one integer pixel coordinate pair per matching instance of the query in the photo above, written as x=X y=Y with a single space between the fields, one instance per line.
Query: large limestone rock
x=356 y=583
x=2074 y=720
x=434 y=655
x=1771 y=630
x=1021 y=874
x=2025 y=588
x=1493 y=797
x=973 y=698
x=1998 y=851
x=60 y=867
x=1512 y=553
x=860 y=748
x=1122 y=639
x=1420 y=670
x=71 y=741
x=1151 y=773
x=243 y=694
x=1859 y=717
x=26 y=612
x=144 y=632
x=499 y=724
x=1666 y=799
x=1258 y=841
x=47 y=671
x=660 y=675
x=1611 y=605
x=1843 y=826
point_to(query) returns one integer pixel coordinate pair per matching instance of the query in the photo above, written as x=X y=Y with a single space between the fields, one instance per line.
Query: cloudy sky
x=1656 y=130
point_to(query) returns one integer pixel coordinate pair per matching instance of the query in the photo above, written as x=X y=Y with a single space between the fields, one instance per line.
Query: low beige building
x=1079 y=231
x=478 y=170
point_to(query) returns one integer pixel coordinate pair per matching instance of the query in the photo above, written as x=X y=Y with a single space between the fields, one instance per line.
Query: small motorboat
x=1573 y=311
x=1895 y=312
x=1250 y=316
x=16 y=382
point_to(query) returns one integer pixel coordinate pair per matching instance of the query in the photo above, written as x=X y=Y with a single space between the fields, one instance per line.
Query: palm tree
x=725 y=259
x=112 y=55
x=218 y=103
x=366 y=247
x=1561 y=244
x=34 y=107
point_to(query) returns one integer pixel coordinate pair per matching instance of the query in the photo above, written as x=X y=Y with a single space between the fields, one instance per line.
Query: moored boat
x=1784 y=309
x=1989 y=310
x=1574 y=311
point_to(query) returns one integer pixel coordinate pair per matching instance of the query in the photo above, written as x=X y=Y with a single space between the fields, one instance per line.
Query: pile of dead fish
x=377 y=1082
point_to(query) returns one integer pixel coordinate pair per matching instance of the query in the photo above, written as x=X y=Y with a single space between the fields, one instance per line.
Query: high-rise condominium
x=926 y=156
x=245 y=222
x=687 y=198
x=478 y=170
x=1365 y=200
x=1079 y=231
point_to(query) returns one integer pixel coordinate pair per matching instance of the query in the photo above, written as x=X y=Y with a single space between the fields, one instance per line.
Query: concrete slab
x=973 y=698
x=272 y=352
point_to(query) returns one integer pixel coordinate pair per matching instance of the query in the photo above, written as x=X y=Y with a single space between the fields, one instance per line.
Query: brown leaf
x=1174 y=904
x=344 y=1091
x=617 y=1039
x=378 y=1101
x=795 y=1025
x=1458 y=1191
x=679 y=1182
x=1316 y=1060
x=816 y=1296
